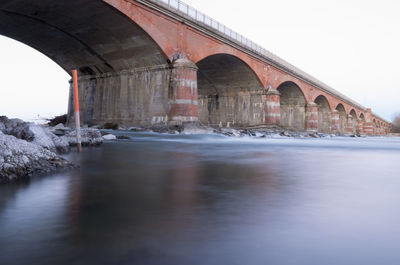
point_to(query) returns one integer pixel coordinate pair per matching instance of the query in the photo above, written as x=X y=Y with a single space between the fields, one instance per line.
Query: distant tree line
x=396 y=123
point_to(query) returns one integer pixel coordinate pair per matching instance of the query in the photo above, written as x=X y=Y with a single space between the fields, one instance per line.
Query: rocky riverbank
x=27 y=149
x=263 y=132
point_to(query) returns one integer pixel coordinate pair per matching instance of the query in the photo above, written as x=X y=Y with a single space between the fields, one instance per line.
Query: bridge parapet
x=199 y=18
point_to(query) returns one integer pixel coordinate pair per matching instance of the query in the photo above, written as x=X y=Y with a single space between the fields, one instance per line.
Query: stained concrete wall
x=234 y=109
x=342 y=118
x=354 y=121
x=324 y=115
x=229 y=93
x=293 y=106
x=129 y=98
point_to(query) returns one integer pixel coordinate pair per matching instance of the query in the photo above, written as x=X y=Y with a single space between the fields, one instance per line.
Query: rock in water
x=89 y=137
x=109 y=137
x=21 y=159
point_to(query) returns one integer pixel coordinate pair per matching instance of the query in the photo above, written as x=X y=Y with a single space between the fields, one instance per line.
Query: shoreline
x=28 y=149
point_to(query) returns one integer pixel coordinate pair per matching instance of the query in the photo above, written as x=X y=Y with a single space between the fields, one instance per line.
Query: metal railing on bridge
x=221 y=28
x=201 y=18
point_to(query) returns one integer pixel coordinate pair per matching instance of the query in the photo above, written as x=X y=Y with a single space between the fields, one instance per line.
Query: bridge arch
x=362 y=124
x=354 y=120
x=81 y=39
x=293 y=106
x=120 y=65
x=199 y=56
x=230 y=93
x=342 y=117
x=324 y=114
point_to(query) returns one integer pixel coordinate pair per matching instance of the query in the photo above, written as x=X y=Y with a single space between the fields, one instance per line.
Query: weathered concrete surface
x=272 y=109
x=138 y=97
x=312 y=117
x=335 y=121
x=229 y=93
x=342 y=118
x=293 y=106
x=183 y=93
x=324 y=115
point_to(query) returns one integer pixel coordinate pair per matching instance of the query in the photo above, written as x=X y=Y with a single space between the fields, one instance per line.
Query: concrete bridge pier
x=131 y=97
x=272 y=107
x=360 y=129
x=368 y=126
x=183 y=94
x=335 y=117
x=349 y=124
x=312 y=117
x=70 y=112
x=149 y=96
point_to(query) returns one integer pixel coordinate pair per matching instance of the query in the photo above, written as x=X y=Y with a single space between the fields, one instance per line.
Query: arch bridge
x=151 y=62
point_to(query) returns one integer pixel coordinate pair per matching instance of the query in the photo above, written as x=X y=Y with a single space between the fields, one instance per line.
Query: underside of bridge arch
x=375 y=126
x=122 y=70
x=90 y=36
x=229 y=92
x=354 y=120
x=362 y=127
x=324 y=114
x=293 y=106
x=342 y=118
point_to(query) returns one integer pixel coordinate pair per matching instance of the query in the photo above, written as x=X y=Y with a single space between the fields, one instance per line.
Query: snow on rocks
x=27 y=148
x=21 y=159
x=33 y=133
x=109 y=137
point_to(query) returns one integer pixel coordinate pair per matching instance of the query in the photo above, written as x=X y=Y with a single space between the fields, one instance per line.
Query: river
x=209 y=199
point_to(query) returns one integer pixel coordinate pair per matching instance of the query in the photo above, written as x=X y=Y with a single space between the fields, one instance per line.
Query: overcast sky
x=351 y=45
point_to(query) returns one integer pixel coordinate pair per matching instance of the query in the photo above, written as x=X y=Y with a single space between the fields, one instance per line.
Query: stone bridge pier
x=149 y=96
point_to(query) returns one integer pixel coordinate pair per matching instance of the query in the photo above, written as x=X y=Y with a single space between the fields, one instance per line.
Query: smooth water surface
x=206 y=199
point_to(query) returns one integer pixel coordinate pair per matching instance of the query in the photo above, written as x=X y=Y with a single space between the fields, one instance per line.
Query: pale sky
x=351 y=45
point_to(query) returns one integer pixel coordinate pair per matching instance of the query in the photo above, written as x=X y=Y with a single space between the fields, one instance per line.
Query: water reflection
x=210 y=200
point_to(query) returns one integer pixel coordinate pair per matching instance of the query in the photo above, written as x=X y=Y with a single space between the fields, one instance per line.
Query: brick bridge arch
x=142 y=64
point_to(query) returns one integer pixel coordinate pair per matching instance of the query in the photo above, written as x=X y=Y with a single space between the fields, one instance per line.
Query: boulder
x=33 y=133
x=17 y=128
x=45 y=138
x=60 y=130
x=89 y=137
x=21 y=159
x=109 y=137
